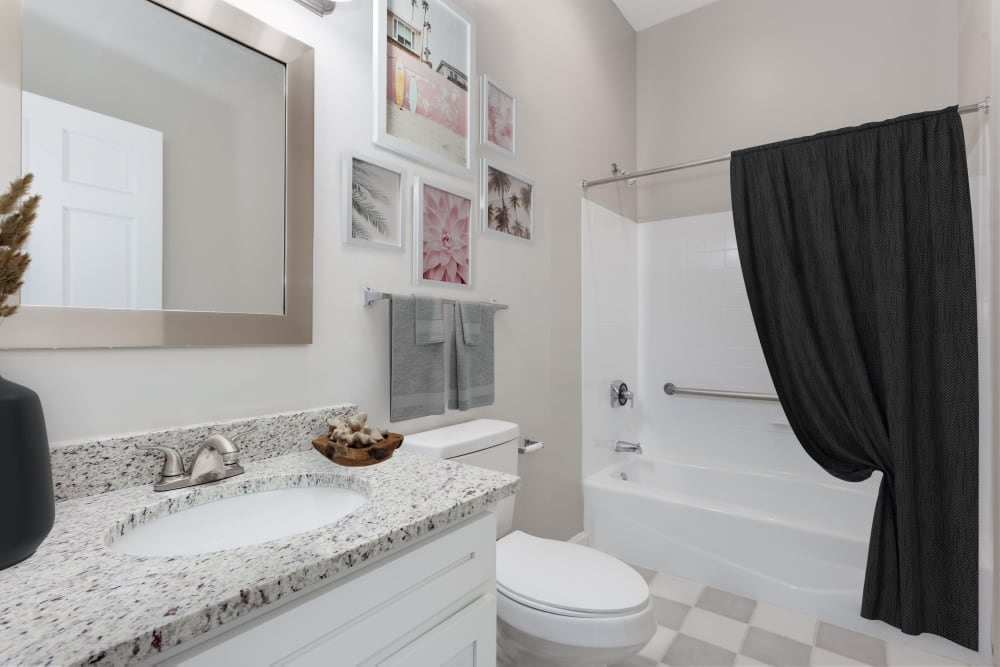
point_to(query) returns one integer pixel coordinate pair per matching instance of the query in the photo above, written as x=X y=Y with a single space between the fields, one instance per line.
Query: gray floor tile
x=646 y=574
x=687 y=651
x=854 y=645
x=774 y=649
x=669 y=614
x=636 y=661
x=727 y=604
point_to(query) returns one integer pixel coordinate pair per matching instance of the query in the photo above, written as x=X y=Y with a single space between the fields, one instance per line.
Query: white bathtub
x=793 y=540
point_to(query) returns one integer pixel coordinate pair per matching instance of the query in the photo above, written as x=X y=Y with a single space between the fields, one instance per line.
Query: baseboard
x=580 y=538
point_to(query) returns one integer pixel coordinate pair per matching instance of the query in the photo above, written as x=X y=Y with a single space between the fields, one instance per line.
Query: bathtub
x=793 y=540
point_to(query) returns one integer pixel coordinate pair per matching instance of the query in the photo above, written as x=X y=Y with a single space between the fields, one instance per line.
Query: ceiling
x=645 y=13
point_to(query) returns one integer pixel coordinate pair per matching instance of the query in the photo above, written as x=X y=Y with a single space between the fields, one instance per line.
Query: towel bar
x=370 y=296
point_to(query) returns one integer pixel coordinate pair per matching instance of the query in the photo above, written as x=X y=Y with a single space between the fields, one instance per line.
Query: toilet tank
x=486 y=443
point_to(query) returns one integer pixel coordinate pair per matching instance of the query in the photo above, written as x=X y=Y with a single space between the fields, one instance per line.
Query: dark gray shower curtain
x=857 y=254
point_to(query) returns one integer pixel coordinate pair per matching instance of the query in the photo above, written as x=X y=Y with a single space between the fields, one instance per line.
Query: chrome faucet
x=217 y=458
x=625 y=446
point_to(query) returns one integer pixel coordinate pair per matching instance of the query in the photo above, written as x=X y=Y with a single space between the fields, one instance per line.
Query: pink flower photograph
x=444 y=225
x=498 y=117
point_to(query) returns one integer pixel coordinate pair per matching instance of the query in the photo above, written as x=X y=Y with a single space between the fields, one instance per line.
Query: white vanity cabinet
x=433 y=604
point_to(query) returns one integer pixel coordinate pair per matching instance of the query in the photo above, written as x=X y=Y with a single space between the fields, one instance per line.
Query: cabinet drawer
x=355 y=618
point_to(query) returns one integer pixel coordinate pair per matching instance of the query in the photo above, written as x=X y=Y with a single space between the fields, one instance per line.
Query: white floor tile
x=714 y=629
x=659 y=644
x=900 y=655
x=745 y=661
x=785 y=622
x=675 y=588
x=822 y=658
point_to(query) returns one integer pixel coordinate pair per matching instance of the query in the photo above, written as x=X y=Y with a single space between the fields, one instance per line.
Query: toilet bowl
x=567 y=604
x=557 y=603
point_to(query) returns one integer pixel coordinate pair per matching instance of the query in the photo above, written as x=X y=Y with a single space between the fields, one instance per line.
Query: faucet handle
x=173 y=465
x=621 y=394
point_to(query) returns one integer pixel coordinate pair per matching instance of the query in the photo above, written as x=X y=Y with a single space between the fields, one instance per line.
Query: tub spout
x=630 y=447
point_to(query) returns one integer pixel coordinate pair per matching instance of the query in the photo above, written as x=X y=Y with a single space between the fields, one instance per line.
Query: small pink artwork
x=499 y=117
x=446 y=230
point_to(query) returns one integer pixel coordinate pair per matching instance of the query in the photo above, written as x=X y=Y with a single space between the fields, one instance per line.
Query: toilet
x=558 y=603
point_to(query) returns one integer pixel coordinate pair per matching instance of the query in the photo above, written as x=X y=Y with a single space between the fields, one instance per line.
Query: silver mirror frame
x=62 y=327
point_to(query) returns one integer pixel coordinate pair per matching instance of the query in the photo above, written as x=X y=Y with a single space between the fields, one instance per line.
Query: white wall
x=545 y=54
x=736 y=74
x=610 y=331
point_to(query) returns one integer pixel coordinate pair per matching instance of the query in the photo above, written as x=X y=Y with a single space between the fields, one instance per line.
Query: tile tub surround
x=98 y=466
x=76 y=602
x=701 y=625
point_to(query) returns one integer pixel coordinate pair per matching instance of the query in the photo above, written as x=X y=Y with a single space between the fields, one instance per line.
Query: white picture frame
x=512 y=226
x=435 y=234
x=373 y=194
x=498 y=111
x=423 y=119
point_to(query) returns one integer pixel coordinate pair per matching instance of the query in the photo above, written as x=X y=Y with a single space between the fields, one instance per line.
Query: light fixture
x=319 y=7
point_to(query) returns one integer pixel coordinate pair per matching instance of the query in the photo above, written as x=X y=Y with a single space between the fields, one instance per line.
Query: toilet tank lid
x=458 y=439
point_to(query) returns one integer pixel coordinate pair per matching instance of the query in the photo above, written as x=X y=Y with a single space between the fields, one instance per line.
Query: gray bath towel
x=472 y=321
x=471 y=372
x=416 y=374
x=430 y=321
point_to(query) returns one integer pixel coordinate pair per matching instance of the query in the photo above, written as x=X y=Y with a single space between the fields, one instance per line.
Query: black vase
x=27 y=506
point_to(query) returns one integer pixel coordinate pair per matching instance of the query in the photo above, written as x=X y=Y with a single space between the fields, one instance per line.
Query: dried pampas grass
x=17 y=213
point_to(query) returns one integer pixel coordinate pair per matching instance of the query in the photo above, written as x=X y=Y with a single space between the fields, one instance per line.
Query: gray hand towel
x=471 y=372
x=416 y=372
x=472 y=321
x=429 y=321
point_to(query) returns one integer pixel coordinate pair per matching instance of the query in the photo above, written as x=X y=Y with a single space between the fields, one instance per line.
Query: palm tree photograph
x=508 y=204
x=376 y=204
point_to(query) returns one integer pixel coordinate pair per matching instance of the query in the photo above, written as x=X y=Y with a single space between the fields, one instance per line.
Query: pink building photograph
x=427 y=85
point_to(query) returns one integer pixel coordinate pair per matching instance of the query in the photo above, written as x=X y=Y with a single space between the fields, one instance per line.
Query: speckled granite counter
x=76 y=601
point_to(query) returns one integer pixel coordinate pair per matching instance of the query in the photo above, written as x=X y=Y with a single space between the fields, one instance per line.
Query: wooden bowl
x=358 y=456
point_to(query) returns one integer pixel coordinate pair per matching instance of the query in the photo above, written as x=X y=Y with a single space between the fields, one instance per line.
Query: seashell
x=357 y=422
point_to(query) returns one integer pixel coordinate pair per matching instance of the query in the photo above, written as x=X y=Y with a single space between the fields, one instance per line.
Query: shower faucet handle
x=620 y=394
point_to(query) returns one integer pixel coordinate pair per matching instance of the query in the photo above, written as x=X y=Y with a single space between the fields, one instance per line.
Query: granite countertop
x=76 y=601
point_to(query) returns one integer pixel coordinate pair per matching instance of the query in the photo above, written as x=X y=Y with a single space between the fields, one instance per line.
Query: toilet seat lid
x=557 y=576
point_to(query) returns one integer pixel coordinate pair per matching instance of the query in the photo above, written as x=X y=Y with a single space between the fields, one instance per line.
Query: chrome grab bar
x=670 y=389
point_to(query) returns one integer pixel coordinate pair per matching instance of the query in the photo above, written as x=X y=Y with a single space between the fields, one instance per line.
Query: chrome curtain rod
x=370 y=296
x=670 y=389
x=624 y=176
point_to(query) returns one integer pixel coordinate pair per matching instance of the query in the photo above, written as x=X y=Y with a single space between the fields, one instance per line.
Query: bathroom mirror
x=172 y=144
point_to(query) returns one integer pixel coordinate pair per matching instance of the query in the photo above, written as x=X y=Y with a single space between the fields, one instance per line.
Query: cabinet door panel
x=467 y=639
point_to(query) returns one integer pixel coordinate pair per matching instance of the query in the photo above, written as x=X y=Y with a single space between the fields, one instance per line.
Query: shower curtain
x=857 y=253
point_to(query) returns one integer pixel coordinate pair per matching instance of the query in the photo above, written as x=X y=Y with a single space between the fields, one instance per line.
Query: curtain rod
x=625 y=176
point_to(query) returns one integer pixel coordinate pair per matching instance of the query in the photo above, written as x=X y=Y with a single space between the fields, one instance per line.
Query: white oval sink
x=240 y=521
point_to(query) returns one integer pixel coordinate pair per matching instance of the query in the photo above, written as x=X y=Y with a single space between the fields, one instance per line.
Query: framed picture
x=507 y=203
x=498 y=117
x=374 y=195
x=424 y=83
x=442 y=237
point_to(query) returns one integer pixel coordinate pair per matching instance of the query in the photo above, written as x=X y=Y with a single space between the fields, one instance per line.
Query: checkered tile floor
x=703 y=626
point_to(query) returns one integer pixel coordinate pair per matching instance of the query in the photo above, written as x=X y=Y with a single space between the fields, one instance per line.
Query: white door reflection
x=98 y=239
